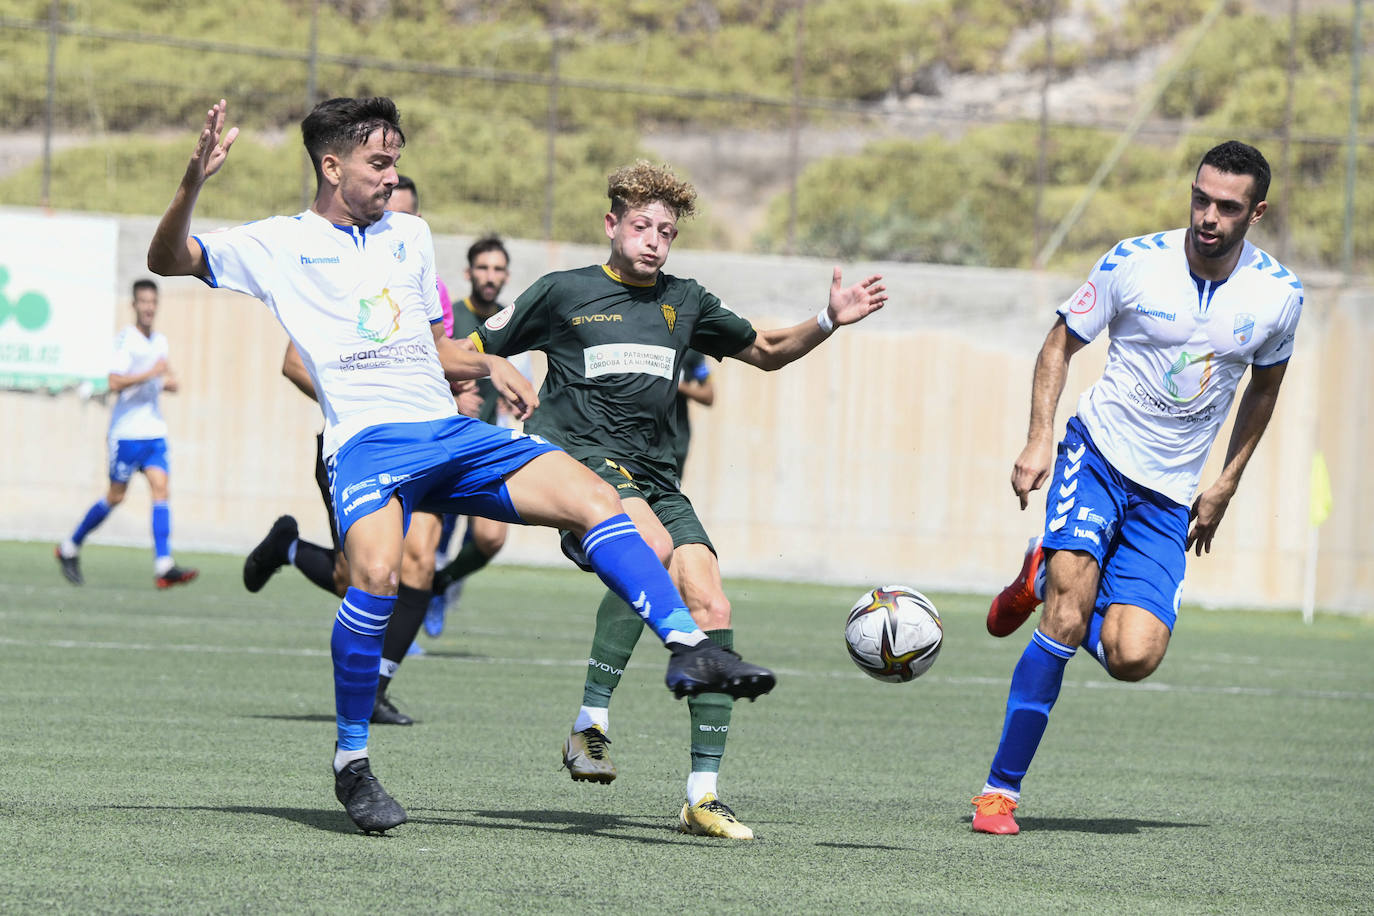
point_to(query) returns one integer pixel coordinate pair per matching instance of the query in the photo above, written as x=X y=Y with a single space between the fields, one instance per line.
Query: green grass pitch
x=169 y=751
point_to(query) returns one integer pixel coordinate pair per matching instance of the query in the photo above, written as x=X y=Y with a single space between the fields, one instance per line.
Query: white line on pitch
x=1001 y=682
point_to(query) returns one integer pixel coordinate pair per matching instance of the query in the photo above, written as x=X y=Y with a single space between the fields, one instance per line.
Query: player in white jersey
x=354 y=286
x=1187 y=312
x=137 y=440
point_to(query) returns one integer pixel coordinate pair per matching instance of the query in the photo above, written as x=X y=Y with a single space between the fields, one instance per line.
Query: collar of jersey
x=345 y=229
x=619 y=279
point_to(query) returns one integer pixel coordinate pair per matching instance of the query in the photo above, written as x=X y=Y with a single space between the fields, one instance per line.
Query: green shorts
x=673 y=508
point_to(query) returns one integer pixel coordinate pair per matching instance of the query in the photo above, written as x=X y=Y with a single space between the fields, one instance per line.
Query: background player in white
x=354 y=287
x=137 y=440
x=1187 y=311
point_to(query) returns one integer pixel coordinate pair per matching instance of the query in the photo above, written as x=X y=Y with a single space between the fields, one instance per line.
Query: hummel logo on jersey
x=332 y=259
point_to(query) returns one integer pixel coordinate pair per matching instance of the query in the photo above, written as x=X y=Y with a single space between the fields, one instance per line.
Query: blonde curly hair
x=644 y=183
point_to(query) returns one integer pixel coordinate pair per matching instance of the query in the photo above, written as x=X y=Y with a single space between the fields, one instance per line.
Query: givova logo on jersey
x=1187 y=378
x=379 y=318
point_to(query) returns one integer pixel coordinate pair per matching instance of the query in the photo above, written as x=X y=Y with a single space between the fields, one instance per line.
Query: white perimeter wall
x=882 y=457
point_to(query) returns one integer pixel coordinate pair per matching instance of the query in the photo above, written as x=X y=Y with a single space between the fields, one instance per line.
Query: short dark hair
x=144 y=283
x=483 y=245
x=406 y=183
x=1236 y=158
x=338 y=125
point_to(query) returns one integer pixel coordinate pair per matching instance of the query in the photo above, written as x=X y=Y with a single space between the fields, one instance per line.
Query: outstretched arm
x=1252 y=418
x=461 y=360
x=172 y=252
x=775 y=349
x=1032 y=466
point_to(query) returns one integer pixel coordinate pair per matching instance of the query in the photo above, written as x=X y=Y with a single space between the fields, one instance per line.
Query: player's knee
x=490 y=540
x=661 y=543
x=1132 y=663
x=377 y=578
x=113 y=499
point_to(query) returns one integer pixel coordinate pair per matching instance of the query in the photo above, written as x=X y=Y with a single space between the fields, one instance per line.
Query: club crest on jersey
x=669 y=315
x=1244 y=327
x=398 y=250
x=379 y=317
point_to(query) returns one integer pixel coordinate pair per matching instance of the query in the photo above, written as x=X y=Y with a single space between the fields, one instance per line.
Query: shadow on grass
x=575 y=823
x=1107 y=825
x=331 y=821
x=453 y=653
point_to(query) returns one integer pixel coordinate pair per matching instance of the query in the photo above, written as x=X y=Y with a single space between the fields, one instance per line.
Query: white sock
x=162 y=564
x=68 y=548
x=1014 y=796
x=291 y=553
x=388 y=668
x=344 y=758
x=693 y=638
x=700 y=785
x=588 y=716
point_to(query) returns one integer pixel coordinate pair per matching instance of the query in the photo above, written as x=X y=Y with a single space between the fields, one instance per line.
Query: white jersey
x=1179 y=346
x=357 y=303
x=137 y=410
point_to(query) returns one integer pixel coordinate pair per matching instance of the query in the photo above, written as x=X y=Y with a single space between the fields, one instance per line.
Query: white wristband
x=825 y=321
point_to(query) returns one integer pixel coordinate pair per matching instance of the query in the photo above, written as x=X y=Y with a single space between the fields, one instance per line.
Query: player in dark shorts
x=615 y=335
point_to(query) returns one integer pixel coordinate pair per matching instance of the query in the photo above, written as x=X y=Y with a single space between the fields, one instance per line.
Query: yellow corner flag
x=1319 y=493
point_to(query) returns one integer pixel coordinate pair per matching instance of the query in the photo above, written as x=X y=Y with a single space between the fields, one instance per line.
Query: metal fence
x=541 y=137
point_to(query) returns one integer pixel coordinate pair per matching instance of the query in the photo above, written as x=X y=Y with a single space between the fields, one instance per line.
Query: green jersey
x=465 y=321
x=614 y=352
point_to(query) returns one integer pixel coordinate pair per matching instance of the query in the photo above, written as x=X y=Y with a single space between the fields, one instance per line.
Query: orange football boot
x=1017 y=601
x=992 y=814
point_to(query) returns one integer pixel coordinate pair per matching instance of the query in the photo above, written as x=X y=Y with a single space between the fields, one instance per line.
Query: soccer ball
x=894 y=633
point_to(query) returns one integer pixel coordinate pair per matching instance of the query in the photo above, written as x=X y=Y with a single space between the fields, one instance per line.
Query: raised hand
x=212 y=146
x=854 y=303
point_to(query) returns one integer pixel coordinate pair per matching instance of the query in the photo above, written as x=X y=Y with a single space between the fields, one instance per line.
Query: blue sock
x=1093 y=641
x=162 y=530
x=631 y=570
x=94 y=516
x=356 y=646
x=1035 y=684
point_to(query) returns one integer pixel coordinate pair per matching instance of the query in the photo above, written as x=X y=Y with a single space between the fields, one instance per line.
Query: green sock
x=617 y=630
x=469 y=560
x=711 y=717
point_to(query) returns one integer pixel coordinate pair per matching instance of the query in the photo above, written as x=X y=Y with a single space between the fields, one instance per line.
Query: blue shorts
x=1137 y=535
x=457 y=464
x=130 y=455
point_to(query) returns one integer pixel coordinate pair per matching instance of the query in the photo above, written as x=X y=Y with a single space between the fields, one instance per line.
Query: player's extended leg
x=555 y=490
x=1070 y=594
x=618 y=628
x=68 y=553
x=412 y=598
x=373 y=545
x=696 y=571
x=166 y=572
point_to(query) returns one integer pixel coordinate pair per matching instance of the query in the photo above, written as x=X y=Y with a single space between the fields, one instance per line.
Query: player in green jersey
x=615 y=335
